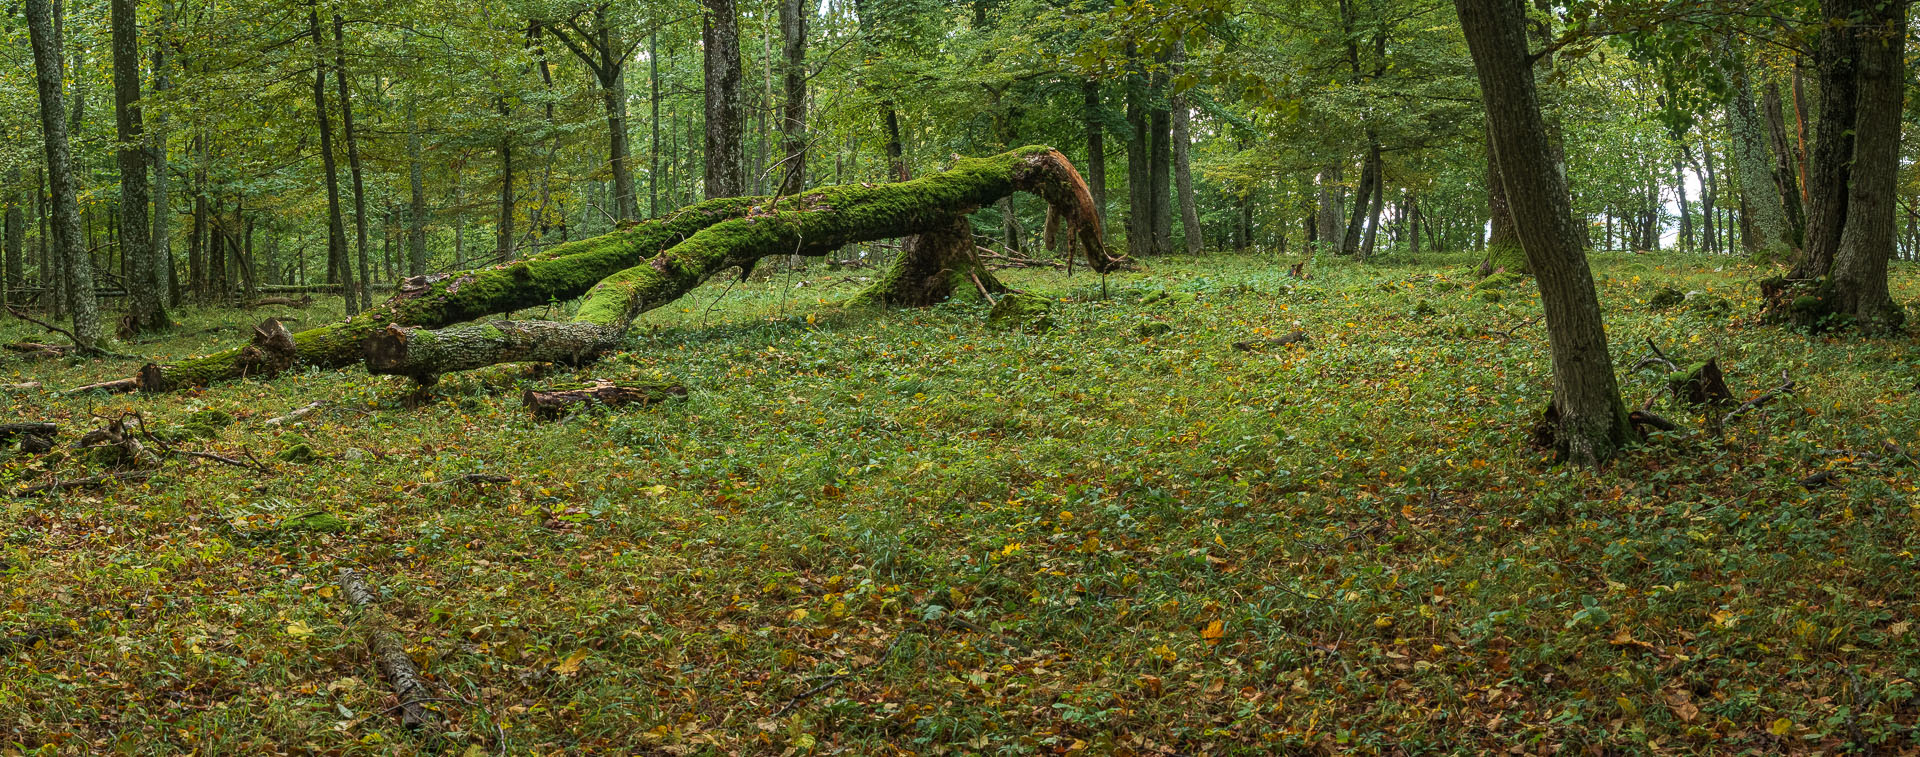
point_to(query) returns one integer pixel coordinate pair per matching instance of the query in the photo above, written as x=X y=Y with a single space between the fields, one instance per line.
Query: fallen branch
x=10 y=430
x=78 y=346
x=24 y=386
x=84 y=483
x=1786 y=387
x=469 y=478
x=549 y=404
x=36 y=350
x=297 y=414
x=1296 y=337
x=117 y=386
x=390 y=654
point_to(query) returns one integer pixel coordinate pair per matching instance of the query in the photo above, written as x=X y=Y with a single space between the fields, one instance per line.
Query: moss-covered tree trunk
x=563 y=273
x=932 y=208
x=932 y=267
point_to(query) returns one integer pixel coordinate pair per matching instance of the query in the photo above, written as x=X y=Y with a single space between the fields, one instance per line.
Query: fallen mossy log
x=562 y=273
x=813 y=224
x=548 y=404
x=390 y=654
x=10 y=430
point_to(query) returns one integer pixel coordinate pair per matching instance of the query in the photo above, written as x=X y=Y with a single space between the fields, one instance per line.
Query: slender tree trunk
x=1800 y=133
x=896 y=146
x=653 y=96
x=1373 y=217
x=1588 y=418
x=503 y=219
x=162 y=236
x=720 y=43
x=16 y=233
x=1362 y=196
x=339 y=268
x=1709 y=214
x=1096 y=146
x=353 y=160
x=1332 y=228
x=417 y=200
x=793 y=118
x=1183 y=160
x=1139 y=164
x=66 y=211
x=146 y=312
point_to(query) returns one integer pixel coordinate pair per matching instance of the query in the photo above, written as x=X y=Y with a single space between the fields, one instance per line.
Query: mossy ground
x=977 y=541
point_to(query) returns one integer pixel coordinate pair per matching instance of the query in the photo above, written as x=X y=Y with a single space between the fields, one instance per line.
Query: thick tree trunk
x=725 y=110
x=1160 y=171
x=1764 y=233
x=793 y=114
x=1096 y=146
x=1589 y=421
x=1139 y=164
x=1784 y=180
x=896 y=147
x=66 y=210
x=145 y=311
x=1840 y=278
x=815 y=223
x=1183 y=162
x=15 y=238
x=1503 y=243
x=932 y=267
x=162 y=236
x=340 y=270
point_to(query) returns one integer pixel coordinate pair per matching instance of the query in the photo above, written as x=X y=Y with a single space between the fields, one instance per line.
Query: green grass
x=968 y=540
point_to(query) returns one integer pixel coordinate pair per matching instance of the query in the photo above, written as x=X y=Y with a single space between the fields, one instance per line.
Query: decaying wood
x=1705 y=385
x=302 y=301
x=32 y=637
x=557 y=402
x=389 y=653
x=24 y=386
x=1786 y=387
x=116 y=437
x=296 y=415
x=1643 y=419
x=83 y=483
x=36 y=350
x=10 y=430
x=117 y=386
x=1295 y=337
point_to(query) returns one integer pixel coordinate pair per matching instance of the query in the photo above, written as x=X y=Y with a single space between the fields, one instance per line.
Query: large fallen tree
x=627 y=273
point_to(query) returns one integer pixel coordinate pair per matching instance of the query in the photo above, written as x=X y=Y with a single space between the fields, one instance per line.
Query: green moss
x=1152 y=329
x=1424 y=309
x=1443 y=286
x=297 y=451
x=1498 y=282
x=1491 y=295
x=317 y=522
x=210 y=417
x=1022 y=312
x=1667 y=297
x=1508 y=257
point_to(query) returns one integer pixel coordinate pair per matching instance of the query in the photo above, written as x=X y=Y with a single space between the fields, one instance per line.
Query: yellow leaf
x=299 y=629
x=1781 y=727
x=1213 y=632
x=571 y=665
x=797 y=615
x=325 y=592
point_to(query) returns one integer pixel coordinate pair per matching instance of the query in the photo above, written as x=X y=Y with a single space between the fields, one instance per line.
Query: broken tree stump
x=390 y=654
x=1702 y=385
x=553 y=403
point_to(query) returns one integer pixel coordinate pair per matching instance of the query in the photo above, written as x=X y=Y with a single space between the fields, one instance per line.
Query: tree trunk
x=146 y=312
x=162 y=236
x=720 y=43
x=932 y=267
x=417 y=199
x=353 y=160
x=1588 y=420
x=1840 y=278
x=1764 y=231
x=340 y=271
x=653 y=96
x=1139 y=165
x=896 y=146
x=503 y=217
x=815 y=223
x=1096 y=146
x=1160 y=170
x=15 y=238
x=793 y=115
x=1373 y=216
x=66 y=210
x=1332 y=202
x=1784 y=180
x=1183 y=161
x=1362 y=197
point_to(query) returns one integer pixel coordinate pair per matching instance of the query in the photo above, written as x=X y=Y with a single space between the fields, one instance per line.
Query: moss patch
x=1022 y=312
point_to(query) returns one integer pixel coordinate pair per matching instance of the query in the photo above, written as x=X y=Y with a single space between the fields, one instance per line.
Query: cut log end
x=554 y=403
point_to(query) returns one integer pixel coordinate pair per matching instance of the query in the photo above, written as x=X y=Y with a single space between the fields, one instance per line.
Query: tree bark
x=1139 y=164
x=1764 y=233
x=1362 y=197
x=815 y=223
x=162 y=236
x=15 y=238
x=1096 y=146
x=1840 y=278
x=1784 y=180
x=417 y=198
x=1183 y=161
x=145 y=312
x=66 y=210
x=353 y=159
x=1160 y=169
x=1588 y=419
x=725 y=110
x=1331 y=231
x=793 y=116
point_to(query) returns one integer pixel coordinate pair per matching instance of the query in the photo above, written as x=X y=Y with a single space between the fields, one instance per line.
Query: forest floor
x=907 y=532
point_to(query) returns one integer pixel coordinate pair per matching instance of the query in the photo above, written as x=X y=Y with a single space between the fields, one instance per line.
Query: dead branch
x=469 y=478
x=119 y=386
x=1296 y=337
x=389 y=653
x=1786 y=387
x=296 y=414
x=84 y=483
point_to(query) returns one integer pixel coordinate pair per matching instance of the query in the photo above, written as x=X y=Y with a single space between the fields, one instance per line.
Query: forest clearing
x=925 y=377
